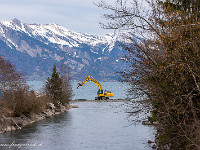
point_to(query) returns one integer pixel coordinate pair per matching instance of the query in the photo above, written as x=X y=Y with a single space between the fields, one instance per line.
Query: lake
x=89 y=90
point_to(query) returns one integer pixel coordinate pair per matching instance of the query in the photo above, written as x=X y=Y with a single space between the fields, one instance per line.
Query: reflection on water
x=92 y=126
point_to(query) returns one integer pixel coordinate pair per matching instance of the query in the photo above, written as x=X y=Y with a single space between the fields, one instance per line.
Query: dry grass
x=23 y=103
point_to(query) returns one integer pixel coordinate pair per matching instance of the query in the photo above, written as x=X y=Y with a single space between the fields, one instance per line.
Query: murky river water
x=92 y=126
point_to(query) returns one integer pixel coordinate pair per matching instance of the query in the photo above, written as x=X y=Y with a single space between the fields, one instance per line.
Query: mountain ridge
x=34 y=48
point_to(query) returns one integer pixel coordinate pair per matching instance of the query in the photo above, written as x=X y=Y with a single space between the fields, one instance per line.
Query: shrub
x=17 y=98
x=164 y=65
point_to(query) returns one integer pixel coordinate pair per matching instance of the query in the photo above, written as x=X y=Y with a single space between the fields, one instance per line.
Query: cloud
x=78 y=15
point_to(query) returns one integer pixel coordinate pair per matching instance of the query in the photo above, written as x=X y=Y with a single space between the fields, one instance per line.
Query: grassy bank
x=10 y=123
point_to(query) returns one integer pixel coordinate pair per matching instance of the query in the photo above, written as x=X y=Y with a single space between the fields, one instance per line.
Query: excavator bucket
x=78 y=85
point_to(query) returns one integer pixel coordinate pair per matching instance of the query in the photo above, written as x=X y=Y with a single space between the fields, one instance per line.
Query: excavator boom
x=91 y=79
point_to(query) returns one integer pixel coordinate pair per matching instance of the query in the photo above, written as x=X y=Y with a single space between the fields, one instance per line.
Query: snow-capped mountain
x=34 y=48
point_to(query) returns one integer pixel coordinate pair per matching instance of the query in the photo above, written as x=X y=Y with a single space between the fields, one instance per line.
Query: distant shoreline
x=109 y=100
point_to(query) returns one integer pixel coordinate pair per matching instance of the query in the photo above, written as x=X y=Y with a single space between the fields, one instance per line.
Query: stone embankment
x=14 y=123
x=156 y=124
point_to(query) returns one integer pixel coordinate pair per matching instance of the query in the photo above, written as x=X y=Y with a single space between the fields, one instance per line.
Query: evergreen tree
x=54 y=86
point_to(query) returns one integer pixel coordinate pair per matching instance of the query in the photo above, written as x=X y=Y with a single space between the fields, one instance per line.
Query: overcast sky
x=77 y=15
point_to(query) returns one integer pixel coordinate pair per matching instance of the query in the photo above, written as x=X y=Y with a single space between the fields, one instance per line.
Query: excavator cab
x=100 y=92
x=101 y=95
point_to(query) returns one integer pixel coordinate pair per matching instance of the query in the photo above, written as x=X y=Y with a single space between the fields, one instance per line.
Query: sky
x=76 y=15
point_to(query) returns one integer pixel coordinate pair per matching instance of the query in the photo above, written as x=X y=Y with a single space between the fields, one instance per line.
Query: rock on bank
x=14 y=123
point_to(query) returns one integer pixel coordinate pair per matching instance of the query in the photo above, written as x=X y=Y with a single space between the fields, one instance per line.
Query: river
x=93 y=126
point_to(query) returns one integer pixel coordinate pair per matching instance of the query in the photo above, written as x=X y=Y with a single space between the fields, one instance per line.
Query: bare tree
x=164 y=65
x=17 y=98
x=66 y=77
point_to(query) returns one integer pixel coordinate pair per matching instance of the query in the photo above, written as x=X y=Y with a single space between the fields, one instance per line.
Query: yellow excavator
x=102 y=95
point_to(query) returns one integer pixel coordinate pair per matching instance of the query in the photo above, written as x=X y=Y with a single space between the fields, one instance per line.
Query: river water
x=93 y=126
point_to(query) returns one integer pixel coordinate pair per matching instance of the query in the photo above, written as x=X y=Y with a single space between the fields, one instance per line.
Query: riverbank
x=94 y=125
x=14 y=123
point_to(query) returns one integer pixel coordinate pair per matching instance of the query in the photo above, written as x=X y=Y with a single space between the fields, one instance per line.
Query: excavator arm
x=91 y=79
